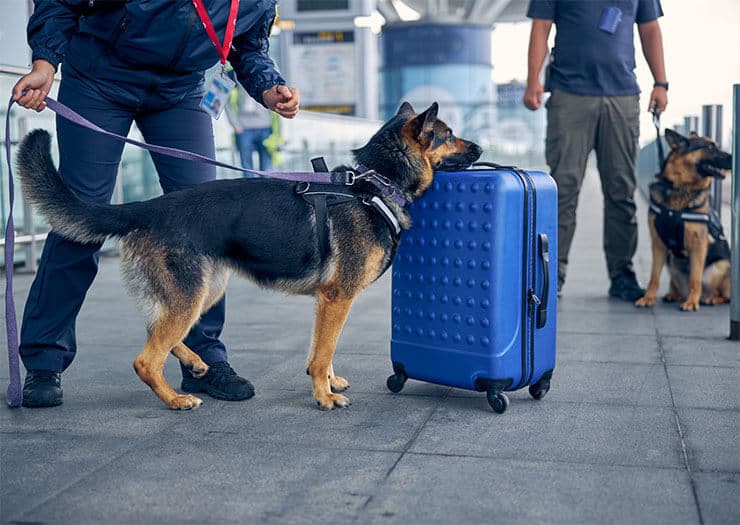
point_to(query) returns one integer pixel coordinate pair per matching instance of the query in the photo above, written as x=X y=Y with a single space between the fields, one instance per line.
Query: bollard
x=711 y=124
x=735 y=209
x=690 y=123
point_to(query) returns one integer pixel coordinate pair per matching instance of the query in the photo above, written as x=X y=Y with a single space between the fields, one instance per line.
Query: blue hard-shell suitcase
x=474 y=298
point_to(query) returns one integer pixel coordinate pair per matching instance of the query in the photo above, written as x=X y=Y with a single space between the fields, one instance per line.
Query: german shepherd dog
x=178 y=250
x=698 y=263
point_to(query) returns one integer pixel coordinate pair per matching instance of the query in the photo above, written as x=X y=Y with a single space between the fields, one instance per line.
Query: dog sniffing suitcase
x=474 y=299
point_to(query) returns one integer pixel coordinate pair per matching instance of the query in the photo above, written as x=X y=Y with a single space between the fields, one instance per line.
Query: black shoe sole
x=197 y=386
x=626 y=297
x=41 y=404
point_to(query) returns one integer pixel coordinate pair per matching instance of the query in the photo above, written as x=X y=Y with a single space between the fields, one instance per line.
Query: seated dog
x=178 y=250
x=684 y=229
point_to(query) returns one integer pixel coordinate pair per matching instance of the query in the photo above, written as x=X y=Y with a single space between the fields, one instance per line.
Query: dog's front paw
x=186 y=402
x=645 y=301
x=330 y=401
x=690 y=305
x=338 y=384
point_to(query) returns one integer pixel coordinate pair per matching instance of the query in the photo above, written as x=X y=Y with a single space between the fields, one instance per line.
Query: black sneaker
x=220 y=382
x=42 y=388
x=625 y=287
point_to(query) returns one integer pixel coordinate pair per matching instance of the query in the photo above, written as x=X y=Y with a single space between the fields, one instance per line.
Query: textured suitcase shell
x=463 y=311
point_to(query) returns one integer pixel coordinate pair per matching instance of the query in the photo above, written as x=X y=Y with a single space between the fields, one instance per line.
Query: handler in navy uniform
x=133 y=61
x=595 y=105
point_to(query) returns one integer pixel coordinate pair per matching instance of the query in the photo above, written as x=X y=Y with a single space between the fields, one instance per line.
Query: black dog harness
x=321 y=196
x=669 y=224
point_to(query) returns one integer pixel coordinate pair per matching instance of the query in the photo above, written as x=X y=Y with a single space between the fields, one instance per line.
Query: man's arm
x=538 y=36
x=49 y=31
x=652 y=48
x=257 y=73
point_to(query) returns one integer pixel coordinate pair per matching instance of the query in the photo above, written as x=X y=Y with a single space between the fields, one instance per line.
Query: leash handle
x=659 y=141
x=14 y=392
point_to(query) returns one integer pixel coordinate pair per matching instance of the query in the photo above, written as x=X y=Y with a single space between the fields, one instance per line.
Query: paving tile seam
x=143 y=443
x=71 y=484
x=679 y=428
x=605 y=362
x=405 y=450
x=629 y=466
x=613 y=334
x=682 y=365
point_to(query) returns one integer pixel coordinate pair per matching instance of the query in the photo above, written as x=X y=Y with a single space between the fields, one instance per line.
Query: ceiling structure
x=483 y=12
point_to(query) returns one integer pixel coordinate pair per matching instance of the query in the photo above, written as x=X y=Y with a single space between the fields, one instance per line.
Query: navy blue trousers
x=88 y=163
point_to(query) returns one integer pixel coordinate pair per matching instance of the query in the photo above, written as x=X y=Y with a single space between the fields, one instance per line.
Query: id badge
x=610 y=19
x=217 y=95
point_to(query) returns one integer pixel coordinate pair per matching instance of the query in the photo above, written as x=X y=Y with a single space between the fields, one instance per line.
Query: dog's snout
x=474 y=151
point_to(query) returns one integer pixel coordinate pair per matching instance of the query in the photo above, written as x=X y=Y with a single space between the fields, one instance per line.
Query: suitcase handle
x=493 y=165
x=544 y=252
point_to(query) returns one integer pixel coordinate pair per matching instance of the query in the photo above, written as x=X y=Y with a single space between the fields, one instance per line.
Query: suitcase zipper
x=528 y=294
x=532 y=299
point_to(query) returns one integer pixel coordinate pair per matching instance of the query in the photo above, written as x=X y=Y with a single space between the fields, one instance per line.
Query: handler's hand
x=283 y=100
x=659 y=99
x=36 y=84
x=533 y=95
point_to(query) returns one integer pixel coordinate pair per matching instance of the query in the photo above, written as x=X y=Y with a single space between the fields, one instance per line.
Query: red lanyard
x=223 y=51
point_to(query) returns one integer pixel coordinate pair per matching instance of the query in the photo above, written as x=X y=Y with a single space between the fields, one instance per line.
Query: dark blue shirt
x=587 y=59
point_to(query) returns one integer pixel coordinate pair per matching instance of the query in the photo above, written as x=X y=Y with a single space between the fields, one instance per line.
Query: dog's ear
x=424 y=122
x=676 y=140
x=406 y=109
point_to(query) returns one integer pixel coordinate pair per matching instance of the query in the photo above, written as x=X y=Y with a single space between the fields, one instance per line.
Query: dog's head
x=694 y=160
x=410 y=147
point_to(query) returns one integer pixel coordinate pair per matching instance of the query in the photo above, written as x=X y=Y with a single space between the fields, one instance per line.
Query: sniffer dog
x=178 y=250
x=684 y=230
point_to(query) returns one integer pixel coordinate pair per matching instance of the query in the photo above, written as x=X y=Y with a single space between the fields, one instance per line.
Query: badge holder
x=217 y=95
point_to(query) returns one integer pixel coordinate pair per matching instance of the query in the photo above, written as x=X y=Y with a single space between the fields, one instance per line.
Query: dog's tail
x=68 y=215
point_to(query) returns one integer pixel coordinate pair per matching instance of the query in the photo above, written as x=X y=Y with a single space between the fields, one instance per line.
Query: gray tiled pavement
x=641 y=425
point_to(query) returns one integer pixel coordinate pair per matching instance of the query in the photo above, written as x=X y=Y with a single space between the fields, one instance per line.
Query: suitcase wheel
x=395 y=382
x=498 y=401
x=539 y=389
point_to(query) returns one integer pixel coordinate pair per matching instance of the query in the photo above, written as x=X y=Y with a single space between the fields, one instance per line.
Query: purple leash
x=15 y=393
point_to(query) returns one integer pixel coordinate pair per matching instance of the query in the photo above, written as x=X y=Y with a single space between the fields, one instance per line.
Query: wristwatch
x=664 y=85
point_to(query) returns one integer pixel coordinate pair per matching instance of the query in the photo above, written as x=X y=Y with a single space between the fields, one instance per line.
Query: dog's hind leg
x=166 y=332
x=190 y=360
x=215 y=277
x=717 y=283
x=332 y=309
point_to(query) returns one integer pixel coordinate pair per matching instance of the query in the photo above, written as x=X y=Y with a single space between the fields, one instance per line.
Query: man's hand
x=36 y=85
x=533 y=95
x=283 y=100
x=659 y=99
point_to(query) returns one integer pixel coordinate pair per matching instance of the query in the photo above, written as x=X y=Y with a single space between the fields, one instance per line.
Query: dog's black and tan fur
x=688 y=171
x=178 y=250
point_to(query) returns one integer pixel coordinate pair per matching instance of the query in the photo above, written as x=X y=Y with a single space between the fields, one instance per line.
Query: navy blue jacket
x=164 y=37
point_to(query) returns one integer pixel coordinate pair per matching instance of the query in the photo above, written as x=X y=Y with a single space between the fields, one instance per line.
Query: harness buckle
x=299 y=189
x=346 y=178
